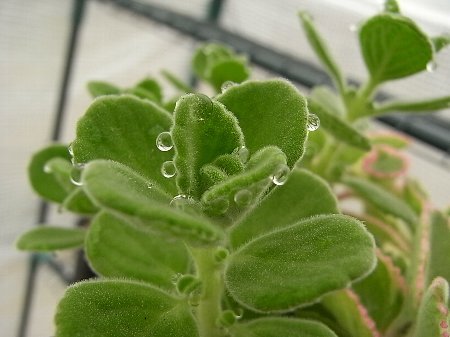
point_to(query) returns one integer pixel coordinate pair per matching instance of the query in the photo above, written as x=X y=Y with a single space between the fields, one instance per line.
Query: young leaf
x=115 y=248
x=382 y=199
x=203 y=130
x=391 y=6
x=98 y=88
x=176 y=82
x=382 y=292
x=125 y=129
x=339 y=128
x=117 y=188
x=350 y=314
x=78 y=202
x=270 y=113
x=293 y=266
x=433 y=320
x=46 y=184
x=393 y=47
x=152 y=86
x=321 y=49
x=440 y=42
x=285 y=205
x=233 y=70
x=281 y=326
x=439 y=256
x=48 y=239
x=427 y=105
x=122 y=308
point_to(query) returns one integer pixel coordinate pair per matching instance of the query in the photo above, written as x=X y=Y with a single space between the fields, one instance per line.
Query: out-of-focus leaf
x=49 y=238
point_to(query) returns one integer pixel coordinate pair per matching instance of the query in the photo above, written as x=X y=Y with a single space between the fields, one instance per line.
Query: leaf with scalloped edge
x=294 y=266
x=50 y=238
x=124 y=129
x=115 y=248
x=270 y=112
x=119 y=189
x=281 y=327
x=432 y=319
x=122 y=308
x=285 y=205
x=203 y=130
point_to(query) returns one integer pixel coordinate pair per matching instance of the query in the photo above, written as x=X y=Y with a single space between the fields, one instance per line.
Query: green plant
x=220 y=219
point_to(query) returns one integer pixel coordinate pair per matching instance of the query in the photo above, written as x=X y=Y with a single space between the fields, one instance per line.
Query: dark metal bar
x=429 y=129
x=77 y=15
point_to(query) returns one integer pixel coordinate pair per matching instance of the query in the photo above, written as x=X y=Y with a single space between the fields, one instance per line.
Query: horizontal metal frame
x=432 y=130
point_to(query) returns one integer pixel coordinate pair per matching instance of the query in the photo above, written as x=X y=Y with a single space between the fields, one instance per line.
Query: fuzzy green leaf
x=78 y=202
x=321 y=49
x=285 y=205
x=203 y=130
x=281 y=327
x=433 y=320
x=99 y=88
x=114 y=248
x=350 y=314
x=261 y=166
x=393 y=47
x=294 y=266
x=339 y=128
x=124 y=129
x=117 y=188
x=381 y=198
x=48 y=185
x=48 y=239
x=439 y=258
x=270 y=113
x=382 y=292
x=111 y=308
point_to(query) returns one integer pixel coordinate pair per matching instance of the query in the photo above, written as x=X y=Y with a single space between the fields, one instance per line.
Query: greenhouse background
x=121 y=42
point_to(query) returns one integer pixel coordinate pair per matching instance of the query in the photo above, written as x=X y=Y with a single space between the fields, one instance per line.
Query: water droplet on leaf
x=75 y=174
x=313 y=122
x=431 y=66
x=205 y=100
x=164 y=141
x=218 y=206
x=281 y=174
x=243 y=198
x=70 y=149
x=227 y=85
x=243 y=154
x=168 y=169
x=181 y=200
x=47 y=169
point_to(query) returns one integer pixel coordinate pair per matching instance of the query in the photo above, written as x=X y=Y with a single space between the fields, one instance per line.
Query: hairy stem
x=209 y=271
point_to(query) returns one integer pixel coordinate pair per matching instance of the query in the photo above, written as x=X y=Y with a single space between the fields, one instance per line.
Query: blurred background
x=121 y=41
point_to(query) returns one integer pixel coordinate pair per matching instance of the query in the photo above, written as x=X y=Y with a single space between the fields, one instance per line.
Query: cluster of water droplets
x=313 y=122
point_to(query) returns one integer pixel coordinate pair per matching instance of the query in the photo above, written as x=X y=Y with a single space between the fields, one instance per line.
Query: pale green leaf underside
x=281 y=327
x=47 y=185
x=115 y=248
x=439 y=258
x=124 y=129
x=203 y=130
x=381 y=198
x=393 y=47
x=117 y=188
x=112 y=308
x=294 y=266
x=270 y=112
x=339 y=128
x=350 y=314
x=432 y=319
x=49 y=238
x=303 y=195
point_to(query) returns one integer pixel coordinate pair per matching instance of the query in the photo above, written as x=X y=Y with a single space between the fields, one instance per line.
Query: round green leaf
x=270 y=112
x=112 y=308
x=294 y=266
x=393 y=47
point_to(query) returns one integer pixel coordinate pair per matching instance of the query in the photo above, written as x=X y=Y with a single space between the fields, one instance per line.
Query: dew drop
x=75 y=174
x=431 y=66
x=181 y=201
x=70 y=149
x=243 y=198
x=281 y=174
x=239 y=313
x=164 y=141
x=218 y=206
x=47 y=169
x=168 y=169
x=227 y=85
x=243 y=154
x=313 y=122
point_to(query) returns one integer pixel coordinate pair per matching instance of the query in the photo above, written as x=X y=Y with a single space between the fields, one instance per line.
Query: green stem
x=209 y=271
x=357 y=105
